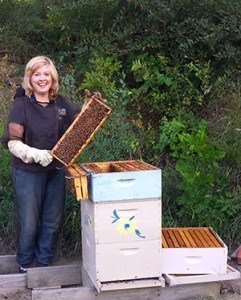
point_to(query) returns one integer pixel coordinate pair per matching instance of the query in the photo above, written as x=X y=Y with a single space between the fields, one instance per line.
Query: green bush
x=166 y=88
x=7 y=216
x=150 y=60
x=114 y=141
x=104 y=75
x=117 y=139
x=203 y=183
x=170 y=208
x=224 y=116
x=73 y=31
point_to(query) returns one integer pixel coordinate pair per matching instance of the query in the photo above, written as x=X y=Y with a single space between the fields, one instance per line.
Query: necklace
x=42 y=102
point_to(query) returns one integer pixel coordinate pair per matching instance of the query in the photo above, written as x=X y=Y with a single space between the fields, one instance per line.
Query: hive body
x=121 y=239
x=193 y=251
x=122 y=180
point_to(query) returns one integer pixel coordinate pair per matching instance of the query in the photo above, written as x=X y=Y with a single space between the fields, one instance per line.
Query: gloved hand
x=30 y=154
x=43 y=157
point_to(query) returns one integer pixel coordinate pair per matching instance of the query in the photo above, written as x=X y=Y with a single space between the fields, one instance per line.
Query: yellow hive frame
x=62 y=140
x=77 y=182
x=195 y=237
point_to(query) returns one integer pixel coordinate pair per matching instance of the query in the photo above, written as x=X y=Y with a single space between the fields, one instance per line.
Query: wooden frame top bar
x=196 y=237
x=118 y=166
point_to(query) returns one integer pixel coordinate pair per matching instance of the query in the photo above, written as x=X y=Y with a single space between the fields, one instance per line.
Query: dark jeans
x=40 y=198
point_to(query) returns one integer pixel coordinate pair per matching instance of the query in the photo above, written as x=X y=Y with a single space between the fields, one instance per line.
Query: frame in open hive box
x=81 y=131
x=197 y=250
x=121 y=180
x=76 y=180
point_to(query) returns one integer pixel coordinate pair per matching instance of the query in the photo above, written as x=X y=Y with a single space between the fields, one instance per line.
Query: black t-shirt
x=43 y=126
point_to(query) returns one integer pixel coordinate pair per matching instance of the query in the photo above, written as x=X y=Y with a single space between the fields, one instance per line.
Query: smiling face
x=41 y=81
x=41 y=77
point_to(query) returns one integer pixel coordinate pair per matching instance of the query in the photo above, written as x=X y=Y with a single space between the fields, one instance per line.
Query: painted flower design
x=126 y=225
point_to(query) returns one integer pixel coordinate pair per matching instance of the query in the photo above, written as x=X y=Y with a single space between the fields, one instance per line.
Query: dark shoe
x=23 y=269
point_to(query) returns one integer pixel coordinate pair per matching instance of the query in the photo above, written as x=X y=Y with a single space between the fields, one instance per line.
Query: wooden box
x=121 y=221
x=81 y=131
x=121 y=261
x=193 y=251
x=121 y=240
x=122 y=180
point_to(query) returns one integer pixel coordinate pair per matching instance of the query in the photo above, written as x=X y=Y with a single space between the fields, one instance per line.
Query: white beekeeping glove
x=29 y=154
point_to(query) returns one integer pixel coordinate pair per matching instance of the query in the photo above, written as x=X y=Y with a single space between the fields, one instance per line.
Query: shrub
x=203 y=183
x=7 y=216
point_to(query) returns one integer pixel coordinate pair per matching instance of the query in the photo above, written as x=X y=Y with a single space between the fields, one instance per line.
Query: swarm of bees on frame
x=93 y=113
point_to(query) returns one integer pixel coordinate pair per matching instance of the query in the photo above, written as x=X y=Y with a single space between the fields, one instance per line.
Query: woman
x=36 y=122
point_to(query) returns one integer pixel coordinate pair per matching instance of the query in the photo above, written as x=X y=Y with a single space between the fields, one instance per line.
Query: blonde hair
x=32 y=66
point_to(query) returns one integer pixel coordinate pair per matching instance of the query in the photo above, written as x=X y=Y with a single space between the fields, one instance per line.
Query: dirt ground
x=231 y=289
x=25 y=295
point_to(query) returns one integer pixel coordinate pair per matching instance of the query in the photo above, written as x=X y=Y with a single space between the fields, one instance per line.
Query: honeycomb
x=81 y=131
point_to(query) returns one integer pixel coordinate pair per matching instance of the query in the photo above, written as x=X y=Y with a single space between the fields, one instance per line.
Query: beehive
x=193 y=251
x=81 y=131
x=122 y=180
x=121 y=240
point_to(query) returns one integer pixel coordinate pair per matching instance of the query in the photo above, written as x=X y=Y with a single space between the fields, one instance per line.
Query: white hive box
x=121 y=261
x=193 y=251
x=122 y=180
x=121 y=240
x=122 y=221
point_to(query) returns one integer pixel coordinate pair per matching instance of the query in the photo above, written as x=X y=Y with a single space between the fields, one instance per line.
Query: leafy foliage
x=226 y=116
x=169 y=88
x=103 y=77
x=7 y=218
x=74 y=30
x=171 y=72
x=116 y=139
x=203 y=182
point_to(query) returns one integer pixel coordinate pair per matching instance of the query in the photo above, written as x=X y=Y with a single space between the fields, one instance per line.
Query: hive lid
x=81 y=131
